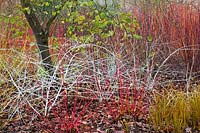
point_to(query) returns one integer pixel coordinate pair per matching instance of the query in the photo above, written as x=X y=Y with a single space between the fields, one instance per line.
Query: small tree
x=88 y=22
x=40 y=14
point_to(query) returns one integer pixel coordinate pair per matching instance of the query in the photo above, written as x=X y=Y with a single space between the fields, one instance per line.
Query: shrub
x=169 y=26
x=66 y=116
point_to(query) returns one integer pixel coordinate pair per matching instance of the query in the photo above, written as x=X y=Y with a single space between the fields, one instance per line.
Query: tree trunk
x=41 y=34
x=41 y=37
x=42 y=43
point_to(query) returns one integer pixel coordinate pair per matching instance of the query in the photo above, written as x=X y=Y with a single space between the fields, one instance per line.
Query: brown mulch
x=100 y=121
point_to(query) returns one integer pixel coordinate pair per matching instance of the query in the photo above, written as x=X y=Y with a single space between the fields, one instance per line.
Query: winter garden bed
x=149 y=83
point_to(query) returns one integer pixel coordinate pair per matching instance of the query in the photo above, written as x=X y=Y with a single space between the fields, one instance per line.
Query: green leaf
x=12 y=21
x=111 y=33
x=55 y=46
x=45 y=12
x=81 y=19
x=103 y=15
x=32 y=44
x=91 y=3
x=47 y=4
x=27 y=9
x=138 y=37
x=54 y=13
x=97 y=18
x=41 y=72
x=151 y=54
x=150 y=38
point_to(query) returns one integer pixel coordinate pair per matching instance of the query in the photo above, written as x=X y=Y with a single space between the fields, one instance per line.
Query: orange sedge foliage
x=173 y=111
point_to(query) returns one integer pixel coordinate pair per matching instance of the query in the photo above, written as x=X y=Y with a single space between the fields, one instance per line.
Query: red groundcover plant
x=67 y=116
x=131 y=102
